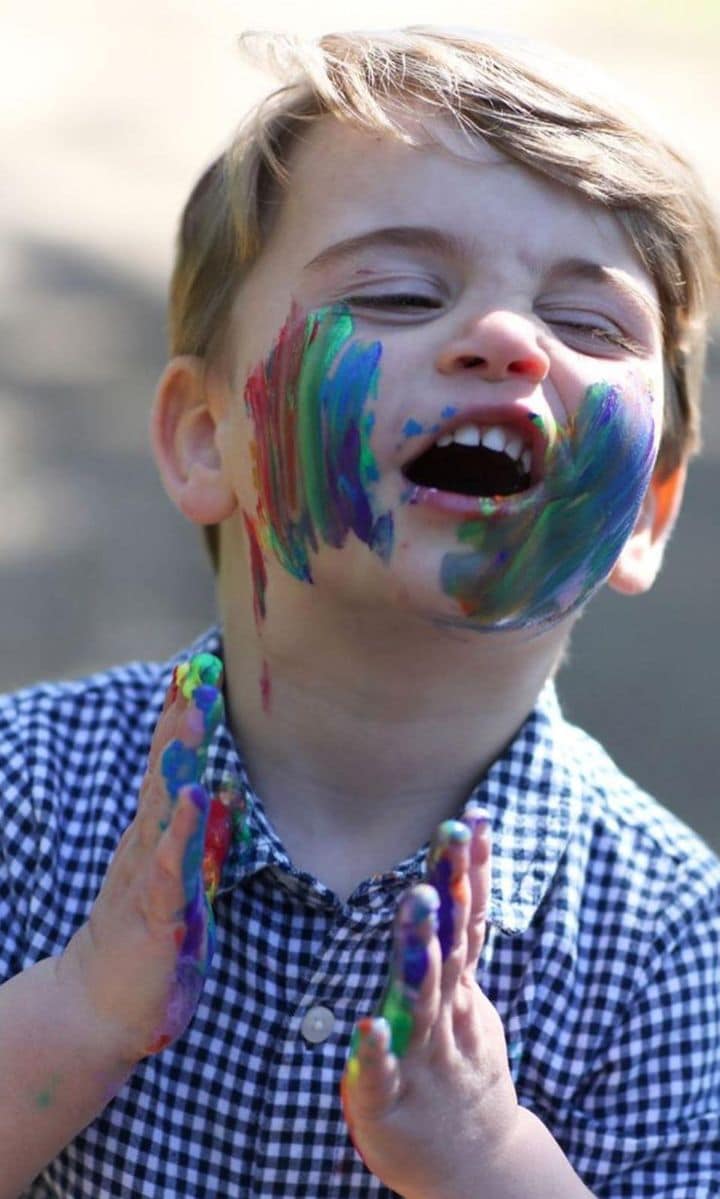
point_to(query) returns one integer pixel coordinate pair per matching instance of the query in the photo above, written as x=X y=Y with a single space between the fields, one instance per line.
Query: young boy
x=437 y=326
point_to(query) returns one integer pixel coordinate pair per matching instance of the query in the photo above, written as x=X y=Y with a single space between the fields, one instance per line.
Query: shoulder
x=71 y=725
x=108 y=710
x=72 y=757
x=648 y=855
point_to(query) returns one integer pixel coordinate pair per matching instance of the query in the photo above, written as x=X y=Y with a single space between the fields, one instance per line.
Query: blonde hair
x=535 y=106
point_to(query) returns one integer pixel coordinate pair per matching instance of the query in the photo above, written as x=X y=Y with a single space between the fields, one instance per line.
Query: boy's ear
x=183 y=431
x=637 y=567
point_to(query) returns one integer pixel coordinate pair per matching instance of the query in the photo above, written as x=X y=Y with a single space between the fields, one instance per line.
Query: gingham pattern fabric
x=603 y=961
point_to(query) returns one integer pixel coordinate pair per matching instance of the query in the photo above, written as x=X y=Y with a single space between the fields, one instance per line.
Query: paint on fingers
x=415 y=926
x=447 y=872
x=196 y=940
x=222 y=832
x=183 y=760
x=372 y=1037
x=478 y=821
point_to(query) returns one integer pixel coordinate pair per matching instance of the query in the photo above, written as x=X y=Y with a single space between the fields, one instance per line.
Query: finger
x=174 y=704
x=480 y=874
x=172 y=881
x=203 y=670
x=371 y=1081
x=177 y=874
x=192 y=710
x=411 y=999
x=447 y=871
x=183 y=761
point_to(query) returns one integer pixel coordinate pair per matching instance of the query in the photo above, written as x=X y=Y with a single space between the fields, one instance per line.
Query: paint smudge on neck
x=258 y=573
x=545 y=560
x=313 y=465
x=257 y=569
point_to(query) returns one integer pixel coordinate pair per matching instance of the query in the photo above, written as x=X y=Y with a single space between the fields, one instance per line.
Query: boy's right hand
x=137 y=966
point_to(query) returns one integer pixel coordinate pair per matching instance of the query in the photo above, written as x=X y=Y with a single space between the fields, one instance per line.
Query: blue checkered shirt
x=603 y=961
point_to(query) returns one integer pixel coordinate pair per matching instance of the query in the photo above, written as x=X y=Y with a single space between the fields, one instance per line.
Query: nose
x=497 y=346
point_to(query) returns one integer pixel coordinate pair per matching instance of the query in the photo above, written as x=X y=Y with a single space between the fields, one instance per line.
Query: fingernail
x=374 y=1031
x=450 y=832
x=475 y=817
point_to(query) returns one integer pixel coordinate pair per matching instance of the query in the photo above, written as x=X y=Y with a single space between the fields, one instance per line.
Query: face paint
x=532 y=560
x=257 y=568
x=259 y=582
x=265 y=688
x=446 y=869
x=313 y=466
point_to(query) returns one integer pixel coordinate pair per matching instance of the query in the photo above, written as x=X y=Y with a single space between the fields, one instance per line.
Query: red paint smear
x=161 y=1043
x=265 y=687
x=271 y=401
x=218 y=838
x=257 y=566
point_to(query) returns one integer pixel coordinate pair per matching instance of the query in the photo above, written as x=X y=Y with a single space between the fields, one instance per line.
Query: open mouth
x=475 y=460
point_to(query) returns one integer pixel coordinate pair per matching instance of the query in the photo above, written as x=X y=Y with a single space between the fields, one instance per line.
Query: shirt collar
x=533 y=800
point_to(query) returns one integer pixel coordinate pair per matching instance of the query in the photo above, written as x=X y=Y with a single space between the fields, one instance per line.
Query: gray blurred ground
x=96 y=566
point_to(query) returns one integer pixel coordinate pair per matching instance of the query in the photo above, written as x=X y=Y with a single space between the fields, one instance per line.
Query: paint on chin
x=537 y=566
x=313 y=466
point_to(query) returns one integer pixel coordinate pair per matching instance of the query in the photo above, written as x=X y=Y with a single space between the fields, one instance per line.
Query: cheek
x=537 y=567
x=310 y=411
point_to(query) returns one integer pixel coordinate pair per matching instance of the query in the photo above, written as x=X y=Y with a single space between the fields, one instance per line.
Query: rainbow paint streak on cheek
x=313 y=465
x=539 y=561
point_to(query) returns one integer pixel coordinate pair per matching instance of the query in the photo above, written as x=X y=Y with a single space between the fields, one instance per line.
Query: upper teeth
x=494 y=438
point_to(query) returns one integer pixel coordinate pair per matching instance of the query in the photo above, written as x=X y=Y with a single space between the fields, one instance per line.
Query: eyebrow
x=438 y=241
x=404 y=237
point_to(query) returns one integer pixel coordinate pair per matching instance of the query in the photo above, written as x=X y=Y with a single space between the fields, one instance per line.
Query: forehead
x=343 y=181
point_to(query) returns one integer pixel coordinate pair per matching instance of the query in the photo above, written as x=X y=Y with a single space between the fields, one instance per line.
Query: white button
x=317 y=1024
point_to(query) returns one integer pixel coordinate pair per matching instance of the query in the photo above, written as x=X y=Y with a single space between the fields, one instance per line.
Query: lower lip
x=470 y=507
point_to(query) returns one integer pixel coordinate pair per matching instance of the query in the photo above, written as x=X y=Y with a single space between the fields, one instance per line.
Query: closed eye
x=600 y=333
x=402 y=300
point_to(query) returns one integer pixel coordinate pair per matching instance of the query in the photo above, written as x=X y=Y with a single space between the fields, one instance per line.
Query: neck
x=373 y=730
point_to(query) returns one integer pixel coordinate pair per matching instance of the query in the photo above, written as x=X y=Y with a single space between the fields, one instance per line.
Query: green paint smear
x=546 y=559
x=397 y=1009
x=46 y=1098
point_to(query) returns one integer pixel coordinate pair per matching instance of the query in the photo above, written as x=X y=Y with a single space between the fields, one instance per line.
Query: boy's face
x=407 y=306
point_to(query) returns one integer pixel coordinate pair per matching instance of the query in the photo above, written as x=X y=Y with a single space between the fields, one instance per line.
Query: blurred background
x=108 y=113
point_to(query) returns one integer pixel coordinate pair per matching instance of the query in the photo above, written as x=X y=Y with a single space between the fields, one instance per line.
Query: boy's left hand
x=427 y=1093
